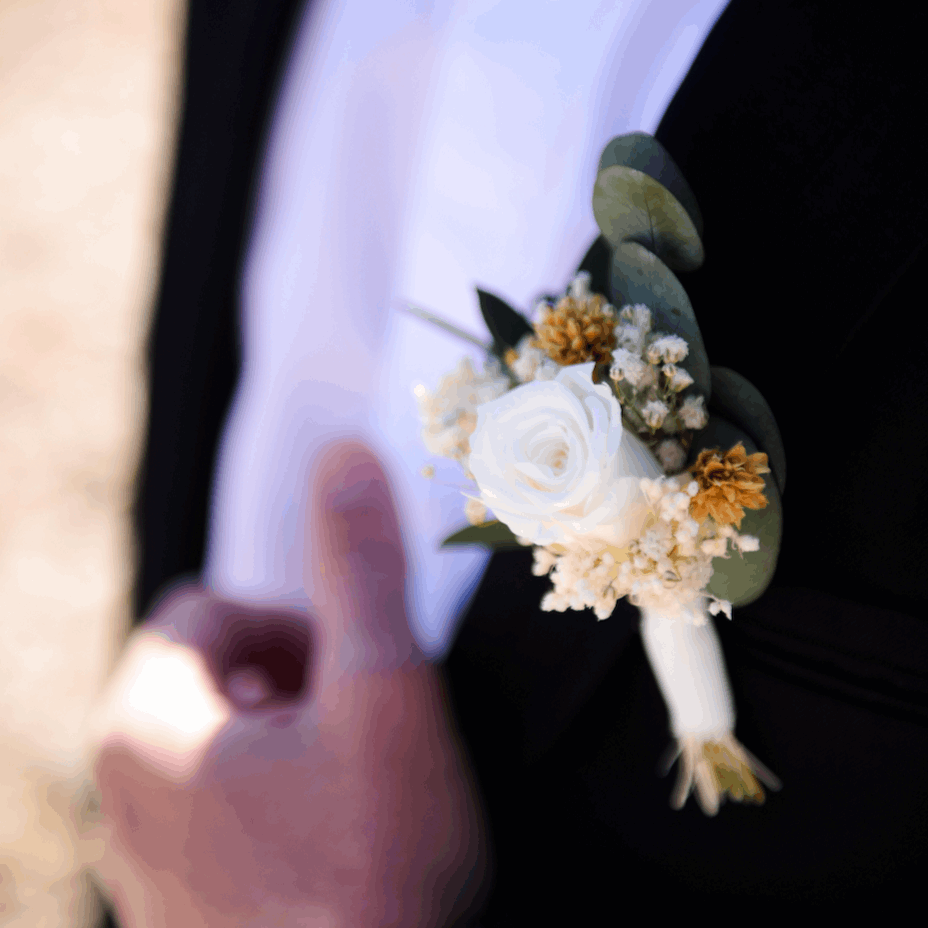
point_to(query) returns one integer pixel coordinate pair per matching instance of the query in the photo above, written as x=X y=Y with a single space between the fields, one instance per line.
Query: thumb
x=355 y=570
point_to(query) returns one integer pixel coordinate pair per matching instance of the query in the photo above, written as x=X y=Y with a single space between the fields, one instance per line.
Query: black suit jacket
x=799 y=130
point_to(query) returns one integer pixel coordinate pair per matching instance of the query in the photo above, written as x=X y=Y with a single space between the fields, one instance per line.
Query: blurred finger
x=356 y=567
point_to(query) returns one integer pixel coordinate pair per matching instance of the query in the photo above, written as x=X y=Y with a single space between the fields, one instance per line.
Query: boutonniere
x=597 y=433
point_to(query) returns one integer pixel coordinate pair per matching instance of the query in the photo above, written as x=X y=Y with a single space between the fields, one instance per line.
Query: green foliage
x=494 y=535
x=641 y=196
x=651 y=226
x=507 y=327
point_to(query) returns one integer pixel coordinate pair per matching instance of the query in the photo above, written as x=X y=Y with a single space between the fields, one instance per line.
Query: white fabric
x=418 y=150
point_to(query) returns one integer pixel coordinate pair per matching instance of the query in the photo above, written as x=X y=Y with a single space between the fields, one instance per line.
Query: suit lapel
x=235 y=54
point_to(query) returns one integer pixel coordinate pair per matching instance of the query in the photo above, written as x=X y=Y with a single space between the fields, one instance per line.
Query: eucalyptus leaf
x=507 y=326
x=638 y=276
x=736 y=399
x=743 y=578
x=495 y=535
x=641 y=195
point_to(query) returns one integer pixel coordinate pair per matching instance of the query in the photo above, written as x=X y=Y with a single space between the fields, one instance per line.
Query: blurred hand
x=267 y=767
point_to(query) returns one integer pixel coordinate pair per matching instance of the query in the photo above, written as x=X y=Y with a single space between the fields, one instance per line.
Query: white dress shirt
x=417 y=150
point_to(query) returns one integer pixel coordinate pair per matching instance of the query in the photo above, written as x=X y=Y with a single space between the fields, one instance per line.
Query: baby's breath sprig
x=449 y=414
x=648 y=382
x=667 y=568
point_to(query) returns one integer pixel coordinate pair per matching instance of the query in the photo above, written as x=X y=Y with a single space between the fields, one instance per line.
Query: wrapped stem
x=686 y=657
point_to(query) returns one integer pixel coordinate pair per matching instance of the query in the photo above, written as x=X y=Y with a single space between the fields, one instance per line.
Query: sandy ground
x=88 y=92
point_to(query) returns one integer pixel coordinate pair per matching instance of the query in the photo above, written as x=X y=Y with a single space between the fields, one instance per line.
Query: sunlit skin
x=348 y=802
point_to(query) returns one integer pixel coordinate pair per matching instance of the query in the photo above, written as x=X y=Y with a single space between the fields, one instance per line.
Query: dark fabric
x=798 y=130
x=234 y=56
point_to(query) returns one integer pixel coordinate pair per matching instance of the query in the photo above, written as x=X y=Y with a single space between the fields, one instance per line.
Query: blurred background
x=88 y=111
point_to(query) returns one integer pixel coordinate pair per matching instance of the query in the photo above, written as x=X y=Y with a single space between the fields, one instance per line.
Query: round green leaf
x=641 y=195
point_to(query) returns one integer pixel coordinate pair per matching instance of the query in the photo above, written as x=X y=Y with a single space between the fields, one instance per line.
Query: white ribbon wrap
x=687 y=661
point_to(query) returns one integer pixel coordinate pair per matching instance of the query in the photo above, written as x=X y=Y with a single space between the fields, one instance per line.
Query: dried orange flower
x=728 y=484
x=579 y=329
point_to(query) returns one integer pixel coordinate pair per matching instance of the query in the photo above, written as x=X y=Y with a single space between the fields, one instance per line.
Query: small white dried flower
x=449 y=415
x=670 y=348
x=580 y=286
x=677 y=378
x=720 y=605
x=686 y=547
x=671 y=455
x=715 y=547
x=651 y=544
x=681 y=503
x=605 y=606
x=674 y=506
x=527 y=358
x=654 y=413
x=634 y=328
x=531 y=363
x=539 y=310
x=637 y=315
x=627 y=366
x=631 y=339
x=552 y=602
x=544 y=561
x=747 y=543
x=693 y=412
x=651 y=489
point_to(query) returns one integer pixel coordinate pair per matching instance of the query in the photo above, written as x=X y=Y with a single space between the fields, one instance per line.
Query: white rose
x=553 y=462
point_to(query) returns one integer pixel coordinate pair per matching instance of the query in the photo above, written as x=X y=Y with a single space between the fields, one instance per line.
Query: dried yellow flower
x=731 y=773
x=718 y=770
x=577 y=330
x=728 y=484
